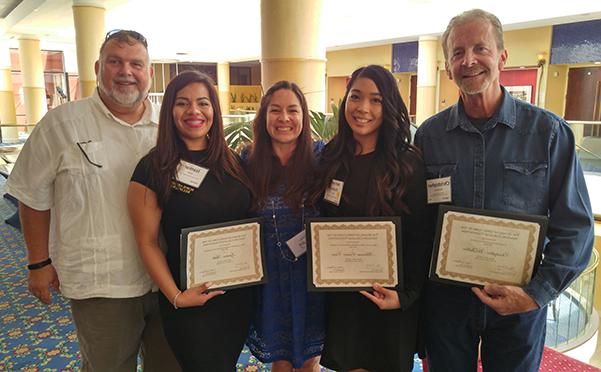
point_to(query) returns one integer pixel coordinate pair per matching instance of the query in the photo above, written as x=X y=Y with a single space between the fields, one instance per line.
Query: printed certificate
x=228 y=255
x=350 y=254
x=475 y=247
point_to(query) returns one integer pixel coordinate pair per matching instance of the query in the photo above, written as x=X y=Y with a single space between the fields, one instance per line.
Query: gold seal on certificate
x=477 y=247
x=353 y=253
x=228 y=255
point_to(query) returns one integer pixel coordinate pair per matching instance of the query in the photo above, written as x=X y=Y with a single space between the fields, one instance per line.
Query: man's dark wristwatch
x=39 y=265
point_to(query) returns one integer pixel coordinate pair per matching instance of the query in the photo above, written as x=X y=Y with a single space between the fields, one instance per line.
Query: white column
x=8 y=114
x=223 y=84
x=34 y=90
x=292 y=47
x=88 y=18
x=426 y=78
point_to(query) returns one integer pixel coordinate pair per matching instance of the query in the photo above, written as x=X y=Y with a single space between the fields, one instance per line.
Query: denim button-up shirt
x=521 y=160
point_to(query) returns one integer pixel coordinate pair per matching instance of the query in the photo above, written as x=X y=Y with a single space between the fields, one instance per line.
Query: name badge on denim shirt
x=334 y=192
x=439 y=190
x=190 y=174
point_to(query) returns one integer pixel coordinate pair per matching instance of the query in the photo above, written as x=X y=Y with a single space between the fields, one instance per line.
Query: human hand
x=384 y=298
x=505 y=299
x=41 y=280
x=196 y=296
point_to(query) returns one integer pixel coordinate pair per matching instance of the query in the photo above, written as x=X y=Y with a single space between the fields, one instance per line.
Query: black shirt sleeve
x=141 y=174
x=418 y=235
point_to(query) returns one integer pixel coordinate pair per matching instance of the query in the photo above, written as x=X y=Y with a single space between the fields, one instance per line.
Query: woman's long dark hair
x=395 y=157
x=300 y=167
x=170 y=148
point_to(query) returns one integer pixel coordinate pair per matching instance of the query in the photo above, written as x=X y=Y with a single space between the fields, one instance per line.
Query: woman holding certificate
x=190 y=179
x=288 y=322
x=376 y=172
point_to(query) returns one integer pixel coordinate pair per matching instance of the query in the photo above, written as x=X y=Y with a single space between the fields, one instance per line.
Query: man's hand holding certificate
x=505 y=299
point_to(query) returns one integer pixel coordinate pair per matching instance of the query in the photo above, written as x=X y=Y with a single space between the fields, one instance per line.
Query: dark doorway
x=413 y=96
x=583 y=99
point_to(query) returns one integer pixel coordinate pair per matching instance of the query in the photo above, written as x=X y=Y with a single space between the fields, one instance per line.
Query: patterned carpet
x=34 y=337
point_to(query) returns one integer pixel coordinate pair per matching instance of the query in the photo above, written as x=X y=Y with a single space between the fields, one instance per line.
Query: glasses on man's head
x=124 y=35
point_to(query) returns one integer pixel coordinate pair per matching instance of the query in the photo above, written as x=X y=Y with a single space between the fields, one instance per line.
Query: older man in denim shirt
x=501 y=154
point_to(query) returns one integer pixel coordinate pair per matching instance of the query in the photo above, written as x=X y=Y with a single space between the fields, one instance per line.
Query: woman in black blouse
x=206 y=330
x=382 y=175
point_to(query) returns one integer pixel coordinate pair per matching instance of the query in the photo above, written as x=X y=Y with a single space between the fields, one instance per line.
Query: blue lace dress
x=287 y=322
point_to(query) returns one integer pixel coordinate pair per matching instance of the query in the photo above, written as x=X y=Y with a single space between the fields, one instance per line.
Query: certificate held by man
x=478 y=247
x=350 y=254
x=228 y=255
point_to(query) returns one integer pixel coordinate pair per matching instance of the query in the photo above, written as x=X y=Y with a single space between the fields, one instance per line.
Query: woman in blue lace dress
x=287 y=327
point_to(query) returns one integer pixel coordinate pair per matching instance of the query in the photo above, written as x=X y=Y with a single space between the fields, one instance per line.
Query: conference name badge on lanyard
x=439 y=190
x=334 y=192
x=190 y=175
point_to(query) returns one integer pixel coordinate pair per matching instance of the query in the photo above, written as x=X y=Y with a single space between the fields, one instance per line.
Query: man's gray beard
x=124 y=99
x=474 y=91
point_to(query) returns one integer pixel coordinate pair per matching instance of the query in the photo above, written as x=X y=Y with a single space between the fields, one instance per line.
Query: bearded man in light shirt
x=71 y=181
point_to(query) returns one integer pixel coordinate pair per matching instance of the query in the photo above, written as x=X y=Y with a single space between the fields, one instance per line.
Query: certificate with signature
x=477 y=247
x=228 y=255
x=350 y=254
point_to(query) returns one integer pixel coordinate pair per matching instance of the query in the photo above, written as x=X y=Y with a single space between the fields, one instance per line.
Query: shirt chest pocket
x=441 y=170
x=84 y=158
x=524 y=186
x=78 y=184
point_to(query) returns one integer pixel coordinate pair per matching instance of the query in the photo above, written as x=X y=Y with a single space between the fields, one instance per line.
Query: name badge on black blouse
x=334 y=192
x=189 y=176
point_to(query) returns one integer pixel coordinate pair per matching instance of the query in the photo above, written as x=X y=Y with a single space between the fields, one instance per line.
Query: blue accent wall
x=404 y=57
x=576 y=43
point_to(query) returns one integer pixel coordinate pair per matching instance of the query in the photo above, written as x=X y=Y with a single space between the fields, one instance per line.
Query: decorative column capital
x=25 y=37
x=428 y=38
x=93 y=3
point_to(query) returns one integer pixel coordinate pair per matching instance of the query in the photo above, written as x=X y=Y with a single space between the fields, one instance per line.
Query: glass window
x=588 y=146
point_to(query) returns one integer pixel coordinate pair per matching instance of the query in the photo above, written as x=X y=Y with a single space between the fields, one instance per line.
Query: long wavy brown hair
x=395 y=157
x=261 y=161
x=171 y=149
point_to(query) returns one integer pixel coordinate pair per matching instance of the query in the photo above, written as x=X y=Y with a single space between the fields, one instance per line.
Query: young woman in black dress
x=382 y=175
x=206 y=330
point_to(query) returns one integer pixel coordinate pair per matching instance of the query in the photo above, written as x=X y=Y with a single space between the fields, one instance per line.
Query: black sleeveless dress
x=209 y=337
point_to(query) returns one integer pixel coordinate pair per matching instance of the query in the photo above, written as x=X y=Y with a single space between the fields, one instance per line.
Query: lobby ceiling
x=230 y=30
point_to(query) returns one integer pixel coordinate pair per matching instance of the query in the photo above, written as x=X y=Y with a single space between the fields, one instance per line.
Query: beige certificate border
x=450 y=217
x=387 y=226
x=256 y=276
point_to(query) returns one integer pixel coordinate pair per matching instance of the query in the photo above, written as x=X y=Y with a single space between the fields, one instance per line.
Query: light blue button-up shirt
x=521 y=160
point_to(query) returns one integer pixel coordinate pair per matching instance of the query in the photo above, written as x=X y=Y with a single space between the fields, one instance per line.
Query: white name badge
x=334 y=192
x=439 y=190
x=190 y=174
x=298 y=244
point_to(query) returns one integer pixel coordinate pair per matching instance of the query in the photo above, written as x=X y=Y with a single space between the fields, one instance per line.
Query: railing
x=155 y=98
x=571 y=318
x=237 y=118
